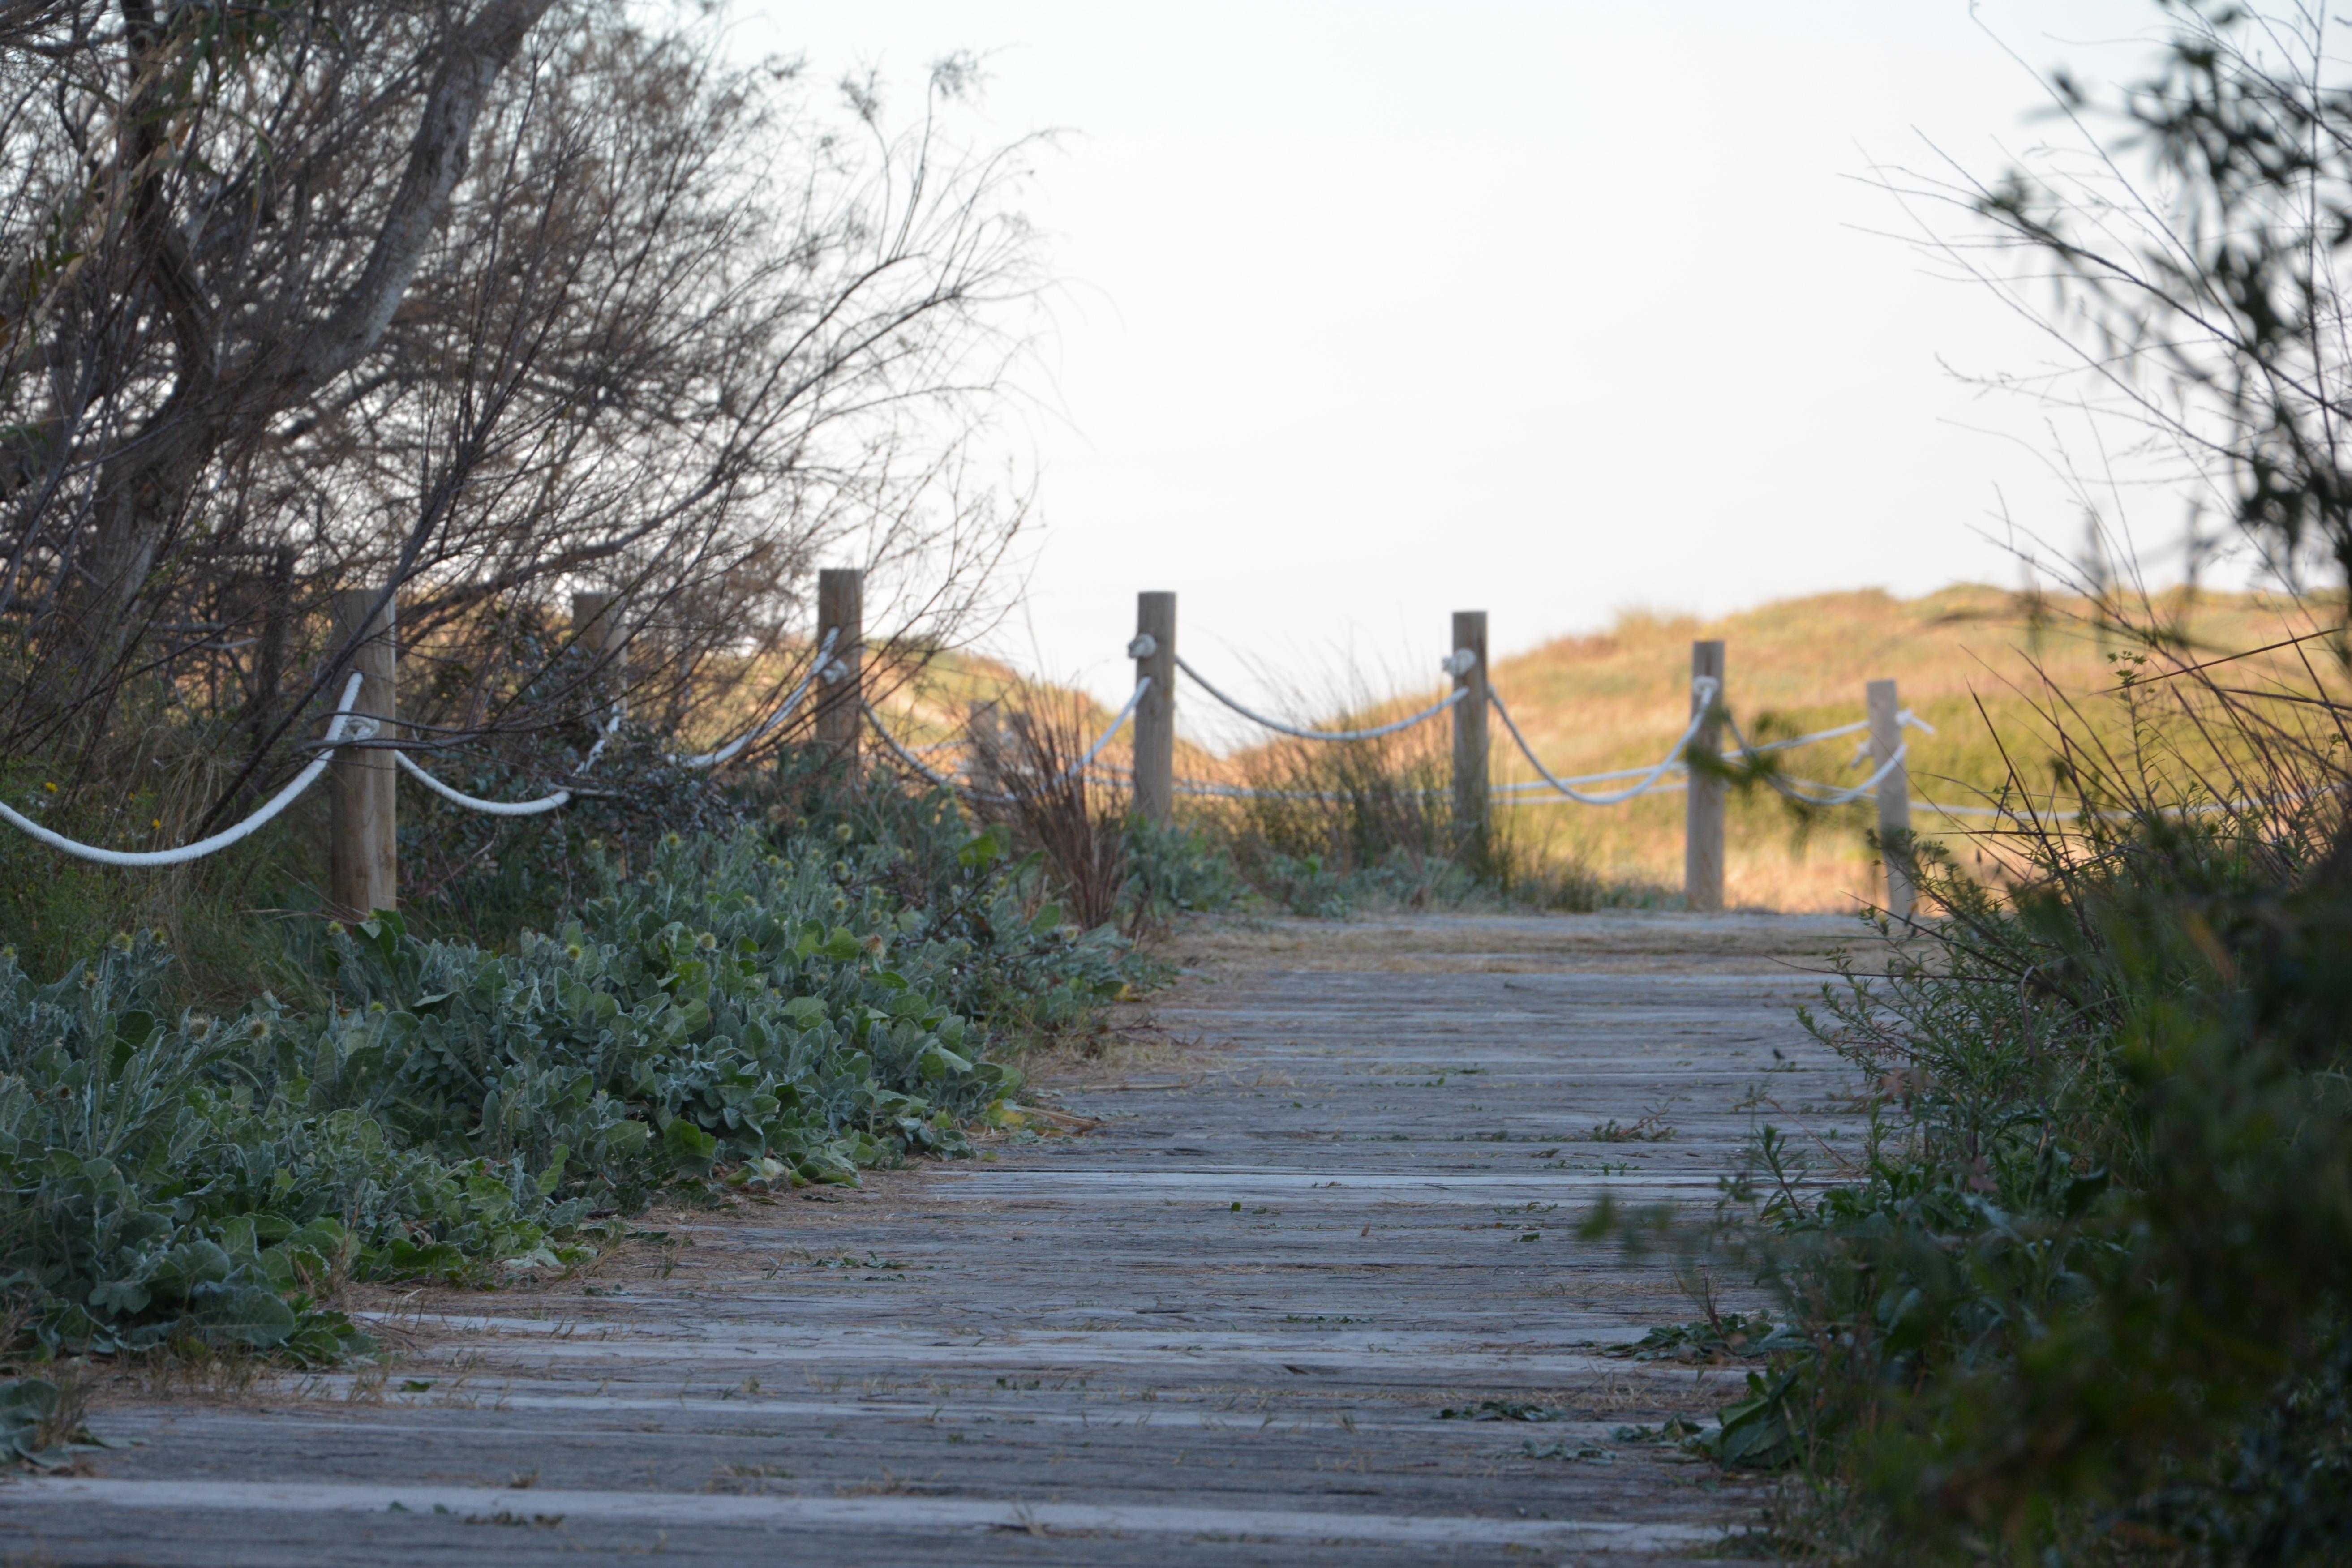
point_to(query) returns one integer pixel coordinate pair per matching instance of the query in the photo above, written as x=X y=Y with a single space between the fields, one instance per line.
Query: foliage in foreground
x=2086 y=1297
x=762 y=1016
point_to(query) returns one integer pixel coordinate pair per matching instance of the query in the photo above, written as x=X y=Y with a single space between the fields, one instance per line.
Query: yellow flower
x=50 y=788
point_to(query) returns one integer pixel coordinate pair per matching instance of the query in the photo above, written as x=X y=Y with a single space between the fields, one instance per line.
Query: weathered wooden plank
x=1332 y=1192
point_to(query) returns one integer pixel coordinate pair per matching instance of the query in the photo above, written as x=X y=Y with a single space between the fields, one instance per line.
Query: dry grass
x=1984 y=665
x=1980 y=665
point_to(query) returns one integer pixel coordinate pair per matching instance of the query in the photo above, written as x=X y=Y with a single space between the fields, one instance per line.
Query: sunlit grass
x=1987 y=667
x=1982 y=665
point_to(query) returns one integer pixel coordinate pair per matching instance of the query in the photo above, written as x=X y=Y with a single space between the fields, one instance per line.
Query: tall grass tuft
x=1370 y=813
x=1072 y=815
x=1330 y=826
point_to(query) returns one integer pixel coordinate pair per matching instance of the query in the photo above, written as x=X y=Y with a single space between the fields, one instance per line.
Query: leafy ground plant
x=742 y=1008
x=2084 y=1297
x=41 y=1424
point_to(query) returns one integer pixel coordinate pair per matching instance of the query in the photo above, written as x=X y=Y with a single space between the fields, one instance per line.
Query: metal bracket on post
x=1154 y=653
x=1885 y=710
x=1703 y=805
x=1467 y=665
x=364 y=846
x=983 y=767
x=598 y=623
x=840 y=705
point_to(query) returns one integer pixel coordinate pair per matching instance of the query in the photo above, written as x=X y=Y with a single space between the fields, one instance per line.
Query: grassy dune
x=1986 y=668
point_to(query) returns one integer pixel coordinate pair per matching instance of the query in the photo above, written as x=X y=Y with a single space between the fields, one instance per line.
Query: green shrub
x=2086 y=1295
x=771 y=1014
x=149 y=1188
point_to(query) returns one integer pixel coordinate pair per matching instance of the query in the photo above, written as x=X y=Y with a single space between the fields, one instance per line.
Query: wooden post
x=984 y=731
x=277 y=619
x=1703 y=808
x=1470 y=783
x=840 y=693
x=365 y=858
x=1894 y=792
x=598 y=622
x=1154 y=649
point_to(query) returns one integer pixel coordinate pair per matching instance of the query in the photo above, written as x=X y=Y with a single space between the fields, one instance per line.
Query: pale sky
x=1370 y=312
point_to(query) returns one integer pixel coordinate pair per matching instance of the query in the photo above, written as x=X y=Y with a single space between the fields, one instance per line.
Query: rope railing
x=562 y=798
x=507 y=808
x=365 y=836
x=1702 y=692
x=734 y=748
x=345 y=725
x=1813 y=792
x=339 y=729
x=1111 y=775
x=1661 y=777
x=2027 y=809
x=1209 y=789
x=899 y=749
x=915 y=763
x=1279 y=728
x=1532 y=786
x=1656 y=778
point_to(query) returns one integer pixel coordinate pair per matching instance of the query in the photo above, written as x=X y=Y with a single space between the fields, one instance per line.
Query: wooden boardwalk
x=1332 y=1192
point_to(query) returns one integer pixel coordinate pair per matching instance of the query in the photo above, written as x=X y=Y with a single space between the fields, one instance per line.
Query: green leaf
x=939 y=1062
x=983 y=849
x=692 y=1147
x=27 y=1401
x=189 y=1265
x=438 y=1257
x=384 y=931
x=253 y=1316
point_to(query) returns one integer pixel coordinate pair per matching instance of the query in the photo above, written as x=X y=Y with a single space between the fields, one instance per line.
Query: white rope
x=1799 y=789
x=916 y=763
x=336 y=734
x=1534 y=787
x=1242 y=792
x=1117 y=723
x=474 y=802
x=509 y=808
x=1111 y=777
x=1281 y=729
x=1703 y=690
x=1813 y=792
x=1537 y=788
x=1906 y=719
x=1956 y=813
x=734 y=748
x=1549 y=796
x=2027 y=811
